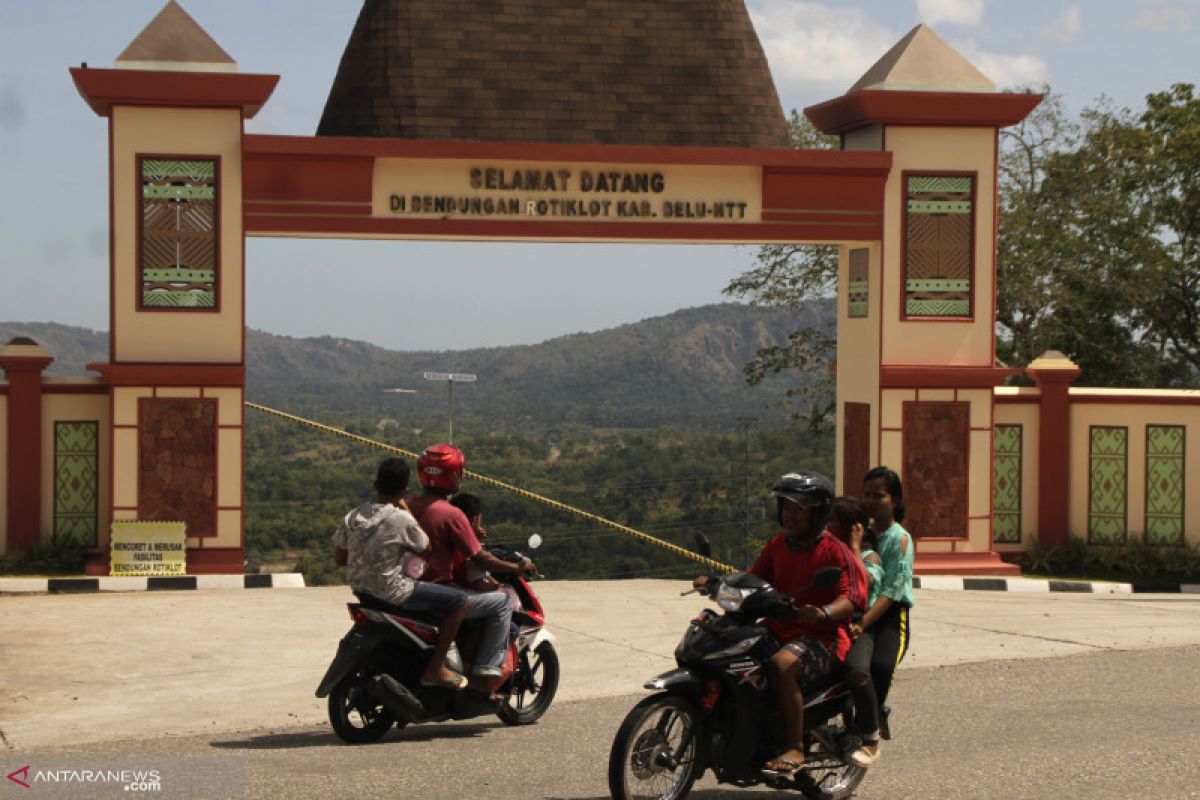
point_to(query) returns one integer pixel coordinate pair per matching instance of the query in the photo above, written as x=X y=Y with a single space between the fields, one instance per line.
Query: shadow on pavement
x=326 y=738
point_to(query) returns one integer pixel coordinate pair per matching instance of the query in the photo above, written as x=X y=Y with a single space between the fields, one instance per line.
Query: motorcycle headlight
x=730 y=598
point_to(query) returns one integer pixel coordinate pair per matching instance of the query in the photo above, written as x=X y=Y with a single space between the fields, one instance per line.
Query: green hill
x=682 y=369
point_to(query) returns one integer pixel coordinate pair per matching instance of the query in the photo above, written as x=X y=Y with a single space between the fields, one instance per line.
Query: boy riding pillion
x=372 y=542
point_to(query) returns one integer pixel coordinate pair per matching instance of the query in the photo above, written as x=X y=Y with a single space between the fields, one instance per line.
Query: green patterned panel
x=938 y=285
x=1107 y=485
x=939 y=206
x=195 y=170
x=1164 y=484
x=937 y=184
x=181 y=192
x=937 y=308
x=164 y=299
x=180 y=275
x=76 y=482
x=1006 y=484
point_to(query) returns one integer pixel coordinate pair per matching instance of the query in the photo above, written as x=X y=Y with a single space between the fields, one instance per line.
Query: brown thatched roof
x=656 y=72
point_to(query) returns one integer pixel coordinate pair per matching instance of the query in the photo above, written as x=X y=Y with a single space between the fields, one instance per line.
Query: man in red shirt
x=818 y=633
x=440 y=471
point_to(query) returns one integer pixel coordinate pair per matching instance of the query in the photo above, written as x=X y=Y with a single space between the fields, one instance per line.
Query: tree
x=792 y=276
x=1097 y=252
x=1097 y=240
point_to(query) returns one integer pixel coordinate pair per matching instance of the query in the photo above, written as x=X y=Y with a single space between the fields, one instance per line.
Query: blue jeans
x=495 y=609
x=435 y=598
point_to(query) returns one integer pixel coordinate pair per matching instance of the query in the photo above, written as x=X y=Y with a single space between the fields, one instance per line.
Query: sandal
x=457 y=683
x=783 y=767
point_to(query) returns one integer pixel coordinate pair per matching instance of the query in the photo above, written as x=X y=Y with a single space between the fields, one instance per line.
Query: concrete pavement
x=80 y=668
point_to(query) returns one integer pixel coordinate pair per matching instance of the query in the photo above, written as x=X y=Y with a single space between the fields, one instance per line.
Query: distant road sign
x=462 y=377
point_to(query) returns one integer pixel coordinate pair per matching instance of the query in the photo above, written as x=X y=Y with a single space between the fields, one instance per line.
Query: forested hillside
x=649 y=424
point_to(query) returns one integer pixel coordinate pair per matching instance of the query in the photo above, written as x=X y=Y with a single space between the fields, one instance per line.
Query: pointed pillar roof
x=148 y=72
x=922 y=80
x=665 y=73
x=173 y=41
x=923 y=62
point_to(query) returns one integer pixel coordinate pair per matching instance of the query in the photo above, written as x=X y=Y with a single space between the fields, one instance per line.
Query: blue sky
x=53 y=207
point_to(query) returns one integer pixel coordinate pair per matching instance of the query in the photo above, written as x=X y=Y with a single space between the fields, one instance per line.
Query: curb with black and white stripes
x=988 y=584
x=129 y=583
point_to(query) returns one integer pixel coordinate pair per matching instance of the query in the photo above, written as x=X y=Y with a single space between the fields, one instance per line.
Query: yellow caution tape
x=508 y=487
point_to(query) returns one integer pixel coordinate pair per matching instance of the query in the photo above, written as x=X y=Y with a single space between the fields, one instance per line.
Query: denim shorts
x=435 y=598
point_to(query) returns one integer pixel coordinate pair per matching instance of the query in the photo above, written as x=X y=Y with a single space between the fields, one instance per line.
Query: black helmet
x=809 y=489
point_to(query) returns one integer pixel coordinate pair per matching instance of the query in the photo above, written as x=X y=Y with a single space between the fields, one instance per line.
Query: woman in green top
x=884 y=637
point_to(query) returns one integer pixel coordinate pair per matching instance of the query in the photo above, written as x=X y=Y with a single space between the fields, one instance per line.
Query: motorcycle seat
x=375 y=604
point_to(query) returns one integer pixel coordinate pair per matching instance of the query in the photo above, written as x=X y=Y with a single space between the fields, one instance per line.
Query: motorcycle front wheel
x=357 y=718
x=532 y=686
x=655 y=755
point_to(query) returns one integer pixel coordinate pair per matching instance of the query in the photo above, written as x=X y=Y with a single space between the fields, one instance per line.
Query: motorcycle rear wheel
x=655 y=755
x=355 y=717
x=532 y=687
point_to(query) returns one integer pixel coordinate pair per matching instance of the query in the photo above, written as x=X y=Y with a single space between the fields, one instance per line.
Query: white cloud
x=1164 y=19
x=814 y=48
x=1066 y=28
x=965 y=13
x=1006 y=70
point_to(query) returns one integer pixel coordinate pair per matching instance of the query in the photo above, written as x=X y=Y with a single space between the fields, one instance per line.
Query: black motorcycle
x=716 y=710
x=374 y=680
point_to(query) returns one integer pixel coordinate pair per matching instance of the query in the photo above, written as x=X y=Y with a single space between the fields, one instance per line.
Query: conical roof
x=923 y=62
x=668 y=72
x=175 y=41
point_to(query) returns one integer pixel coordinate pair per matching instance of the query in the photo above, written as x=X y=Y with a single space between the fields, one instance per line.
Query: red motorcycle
x=374 y=680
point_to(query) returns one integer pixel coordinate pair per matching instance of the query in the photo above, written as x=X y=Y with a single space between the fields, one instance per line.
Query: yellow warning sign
x=148 y=548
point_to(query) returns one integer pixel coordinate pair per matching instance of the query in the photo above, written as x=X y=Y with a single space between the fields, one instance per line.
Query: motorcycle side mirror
x=826 y=577
x=702 y=545
x=535 y=541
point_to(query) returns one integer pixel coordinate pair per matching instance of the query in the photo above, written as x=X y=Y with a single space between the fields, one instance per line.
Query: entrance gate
x=910 y=199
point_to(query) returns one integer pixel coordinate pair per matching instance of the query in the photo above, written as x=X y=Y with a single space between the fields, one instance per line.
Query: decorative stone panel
x=936 y=463
x=1165 y=448
x=938 y=245
x=179 y=233
x=177 y=459
x=1006 y=484
x=1107 y=484
x=76 y=482
x=859 y=300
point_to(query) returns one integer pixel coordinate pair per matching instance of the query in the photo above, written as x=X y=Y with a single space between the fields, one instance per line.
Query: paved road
x=1108 y=725
x=1018 y=695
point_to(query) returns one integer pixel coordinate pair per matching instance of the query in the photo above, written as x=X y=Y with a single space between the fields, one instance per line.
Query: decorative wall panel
x=1107 y=484
x=936 y=461
x=939 y=242
x=1006 y=484
x=860 y=284
x=76 y=482
x=179 y=233
x=1165 y=449
x=856 y=446
x=177 y=459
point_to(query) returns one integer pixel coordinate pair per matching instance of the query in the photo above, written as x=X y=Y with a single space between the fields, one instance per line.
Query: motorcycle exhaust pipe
x=399 y=701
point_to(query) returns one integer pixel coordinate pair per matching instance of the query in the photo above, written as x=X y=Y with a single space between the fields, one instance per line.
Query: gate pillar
x=176 y=105
x=917 y=310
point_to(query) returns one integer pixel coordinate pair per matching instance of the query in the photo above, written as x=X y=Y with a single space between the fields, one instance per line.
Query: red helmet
x=441 y=466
